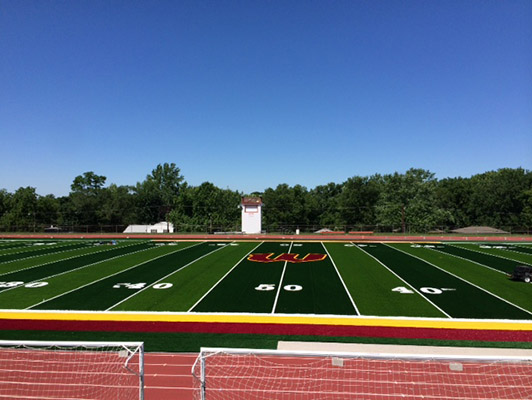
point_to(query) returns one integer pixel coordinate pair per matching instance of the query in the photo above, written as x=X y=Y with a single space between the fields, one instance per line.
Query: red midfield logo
x=286 y=257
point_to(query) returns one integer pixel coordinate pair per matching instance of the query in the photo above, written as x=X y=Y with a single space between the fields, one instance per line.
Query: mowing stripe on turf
x=458 y=298
x=110 y=290
x=312 y=285
x=502 y=252
x=62 y=256
x=526 y=314
x=492 y=280
x=341 y=280
x=5 y=258
x=187 y=286
x=162 y=278
x=232 y=292
x=222 y=278
x=502 y=264
x=410 y=287
x=41 y=272
x=77 y=281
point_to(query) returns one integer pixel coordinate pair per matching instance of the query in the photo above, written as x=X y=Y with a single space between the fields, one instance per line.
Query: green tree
x=408 y=200
x=22 y=209
x=157 y=195
x=85 y=198
x=358 y=199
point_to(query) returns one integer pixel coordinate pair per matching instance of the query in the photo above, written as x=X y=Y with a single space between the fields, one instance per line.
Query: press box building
x=251 y=215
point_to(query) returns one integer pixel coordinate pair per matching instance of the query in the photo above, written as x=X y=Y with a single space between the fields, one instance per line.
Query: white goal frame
x=457 y=364
x=127 y=351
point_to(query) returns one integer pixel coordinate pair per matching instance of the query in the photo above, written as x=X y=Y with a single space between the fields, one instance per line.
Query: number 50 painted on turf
x=266 y=287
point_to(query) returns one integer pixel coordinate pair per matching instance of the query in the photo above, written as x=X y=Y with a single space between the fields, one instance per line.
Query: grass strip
x=371 y=284
x=40 y=251
x=192 y=342
x=495 y=282
x=26 y=297
x=109 y=291
x=455 y=296
x=40 y=272
x=189 y=284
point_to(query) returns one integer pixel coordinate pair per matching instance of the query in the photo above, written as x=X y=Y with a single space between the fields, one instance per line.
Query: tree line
x=414 y=201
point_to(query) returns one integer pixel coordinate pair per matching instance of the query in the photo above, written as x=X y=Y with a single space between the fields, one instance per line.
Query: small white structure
x=251 y=214
x=160 y=227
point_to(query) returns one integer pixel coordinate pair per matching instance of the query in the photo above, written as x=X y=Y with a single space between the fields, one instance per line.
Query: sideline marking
x=288 y=319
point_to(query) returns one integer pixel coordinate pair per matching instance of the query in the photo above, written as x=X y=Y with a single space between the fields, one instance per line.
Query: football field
x=425 y=280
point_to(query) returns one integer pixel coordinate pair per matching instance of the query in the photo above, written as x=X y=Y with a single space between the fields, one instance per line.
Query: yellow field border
x=434 y=323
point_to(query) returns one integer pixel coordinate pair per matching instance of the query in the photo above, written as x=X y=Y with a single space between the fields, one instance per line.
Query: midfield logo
x=286 y=257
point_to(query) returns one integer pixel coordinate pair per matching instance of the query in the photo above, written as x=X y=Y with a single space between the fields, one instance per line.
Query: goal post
x=71 y=370
x=250 y=374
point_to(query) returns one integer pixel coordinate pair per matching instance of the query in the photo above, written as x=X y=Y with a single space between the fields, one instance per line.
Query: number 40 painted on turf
x=426 y=290
x=141 y=285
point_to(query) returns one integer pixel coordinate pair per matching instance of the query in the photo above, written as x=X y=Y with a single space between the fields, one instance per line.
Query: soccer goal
x=71 y=370
x=267 y=375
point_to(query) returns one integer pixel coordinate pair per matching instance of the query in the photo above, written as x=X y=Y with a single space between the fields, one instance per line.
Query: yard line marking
x=281 y=282
x=341 y=279
x=78 y=268
x=472 y=261
x=223 y=277
x=64 y=259
x=413 y=288
x=164 y=277
x=108 y=276
x=490 y=254
x=30 y=256
x=462 y=279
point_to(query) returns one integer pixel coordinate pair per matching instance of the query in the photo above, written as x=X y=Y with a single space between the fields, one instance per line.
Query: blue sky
x=251 y=94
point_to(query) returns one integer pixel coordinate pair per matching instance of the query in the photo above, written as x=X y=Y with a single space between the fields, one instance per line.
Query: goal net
x=280 y=375
x=71 y=370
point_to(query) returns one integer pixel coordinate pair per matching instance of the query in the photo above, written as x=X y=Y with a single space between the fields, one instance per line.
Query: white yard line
x=281 y=282
x=490 y=254
x=55 y=261
x=467 y=259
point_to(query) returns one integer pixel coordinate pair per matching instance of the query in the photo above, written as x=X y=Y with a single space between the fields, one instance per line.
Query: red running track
x=168 y=376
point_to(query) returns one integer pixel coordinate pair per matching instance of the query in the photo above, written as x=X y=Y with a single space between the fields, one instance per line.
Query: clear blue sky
x=249 y=94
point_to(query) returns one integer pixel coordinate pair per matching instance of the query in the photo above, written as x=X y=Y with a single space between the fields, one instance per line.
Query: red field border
x=410 y=328
x=315 y=237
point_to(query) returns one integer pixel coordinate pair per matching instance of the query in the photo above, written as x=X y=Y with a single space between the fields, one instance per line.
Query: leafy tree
x=157 y=195
x=358 y=198
x=47 y=210
x=85 y=198
x=409 y=200
x=323 y=209
x=22 y=208
x=117 y=207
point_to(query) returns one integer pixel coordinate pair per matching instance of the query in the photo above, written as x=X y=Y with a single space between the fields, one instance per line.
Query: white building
x=160 y=227
x=251 y=214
